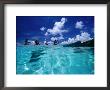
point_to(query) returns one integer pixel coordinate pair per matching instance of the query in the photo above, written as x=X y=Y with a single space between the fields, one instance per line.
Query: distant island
x=89 y=43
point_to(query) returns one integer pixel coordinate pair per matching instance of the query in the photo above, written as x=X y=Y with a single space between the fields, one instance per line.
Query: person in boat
x=26 y=42
x=36 y=42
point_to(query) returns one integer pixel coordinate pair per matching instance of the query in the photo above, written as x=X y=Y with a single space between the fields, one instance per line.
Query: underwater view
x=55 y=60
x=55 y=45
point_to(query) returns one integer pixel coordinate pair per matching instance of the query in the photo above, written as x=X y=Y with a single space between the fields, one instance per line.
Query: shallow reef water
x=54 y=60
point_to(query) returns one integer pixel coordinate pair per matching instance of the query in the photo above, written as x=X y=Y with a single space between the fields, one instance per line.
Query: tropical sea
x=54 y=59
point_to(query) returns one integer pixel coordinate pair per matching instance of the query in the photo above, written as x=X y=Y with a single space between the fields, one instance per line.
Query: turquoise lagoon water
x=54 y=60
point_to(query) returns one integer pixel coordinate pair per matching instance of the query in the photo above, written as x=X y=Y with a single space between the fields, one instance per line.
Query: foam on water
x=54 y=60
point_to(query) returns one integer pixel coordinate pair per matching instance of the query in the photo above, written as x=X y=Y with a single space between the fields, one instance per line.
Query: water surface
x=54 y=60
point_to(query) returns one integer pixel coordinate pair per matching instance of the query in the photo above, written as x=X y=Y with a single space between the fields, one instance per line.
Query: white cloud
x=54 y=38
x=58 y=28
x=82 y=38
x=57 y=38
x=64 y=42
x=71 y=40
x=77 y=38
x=42 y=28
x=50 y=43
x=46 y=34
x=79 y=25
x=63 y=20
x=61 y=37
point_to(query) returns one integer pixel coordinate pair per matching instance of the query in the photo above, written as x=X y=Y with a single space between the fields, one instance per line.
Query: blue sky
x=49 y=28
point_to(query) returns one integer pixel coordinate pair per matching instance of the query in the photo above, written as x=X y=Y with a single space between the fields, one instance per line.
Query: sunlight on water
x=54 y=60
